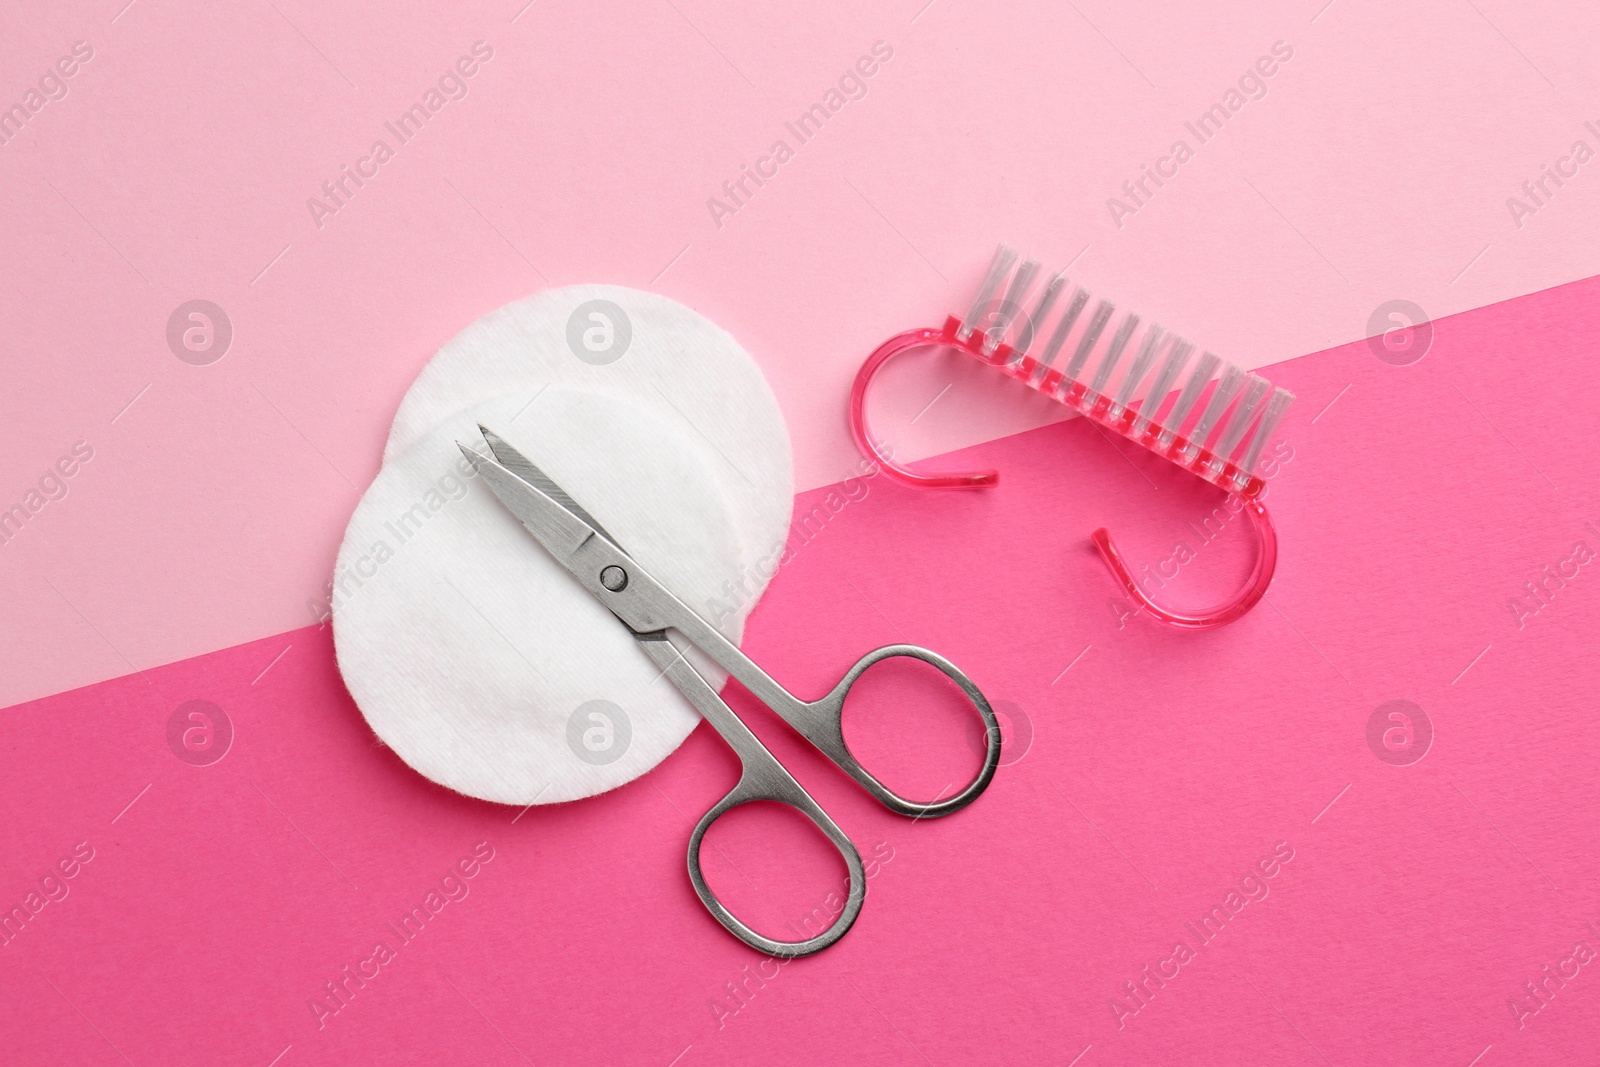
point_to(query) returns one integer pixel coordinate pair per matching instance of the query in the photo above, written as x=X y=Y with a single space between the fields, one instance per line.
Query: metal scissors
x=652 y=613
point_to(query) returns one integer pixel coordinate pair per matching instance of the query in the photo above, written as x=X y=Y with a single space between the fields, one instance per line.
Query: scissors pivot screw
x=614 y=578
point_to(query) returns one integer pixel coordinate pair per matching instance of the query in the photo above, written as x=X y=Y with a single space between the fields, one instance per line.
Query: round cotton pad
x=475 y=655
x=612 y=341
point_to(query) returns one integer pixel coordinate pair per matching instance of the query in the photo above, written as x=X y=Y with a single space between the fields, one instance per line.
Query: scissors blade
x=581 y=545
x=524 y=468
x=553 y=523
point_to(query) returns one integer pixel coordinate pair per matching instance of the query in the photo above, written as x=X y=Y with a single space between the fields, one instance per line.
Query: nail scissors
x=653 y=614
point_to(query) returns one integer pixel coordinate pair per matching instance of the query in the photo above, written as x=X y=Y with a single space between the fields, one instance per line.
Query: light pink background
x=1164 y=764
x=179 y=166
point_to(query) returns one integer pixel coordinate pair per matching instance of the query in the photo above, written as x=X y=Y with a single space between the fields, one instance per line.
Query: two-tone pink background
x=177 y=563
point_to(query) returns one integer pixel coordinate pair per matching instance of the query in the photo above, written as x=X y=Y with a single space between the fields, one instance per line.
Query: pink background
x=1163 y=765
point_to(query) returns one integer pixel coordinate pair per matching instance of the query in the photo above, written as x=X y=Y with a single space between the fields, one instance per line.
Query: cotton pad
x=636 y=346
x=476 y=656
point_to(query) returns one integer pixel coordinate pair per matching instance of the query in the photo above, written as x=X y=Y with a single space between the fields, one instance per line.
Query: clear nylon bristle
x=1222 y=399
x=1135 y=375
x=999 y=268
x=1233 y=429
x=1021 y=282
x=1069 y=317
x=1091 y=337
x=1228 y=387
x=1047 y=300
x=1177 y=356
x=1102 y=374
x=1199 y=377
x=1277 y=408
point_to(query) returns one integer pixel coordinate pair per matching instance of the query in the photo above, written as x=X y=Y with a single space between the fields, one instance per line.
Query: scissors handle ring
x=762 y=778
x=822 y=723
x=759 y=782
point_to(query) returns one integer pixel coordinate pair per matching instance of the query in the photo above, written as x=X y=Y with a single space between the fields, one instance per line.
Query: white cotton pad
x=476 y=656
x=612 y=341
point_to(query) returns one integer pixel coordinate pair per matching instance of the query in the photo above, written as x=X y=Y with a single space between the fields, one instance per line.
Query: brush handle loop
x=861 y=427
x=1255 y=586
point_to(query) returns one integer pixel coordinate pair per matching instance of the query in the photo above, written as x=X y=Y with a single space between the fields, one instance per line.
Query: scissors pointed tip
x=503 y=452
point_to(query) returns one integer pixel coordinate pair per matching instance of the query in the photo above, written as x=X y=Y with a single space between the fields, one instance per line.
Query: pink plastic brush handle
x=1255 y=586
x=861 y=430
